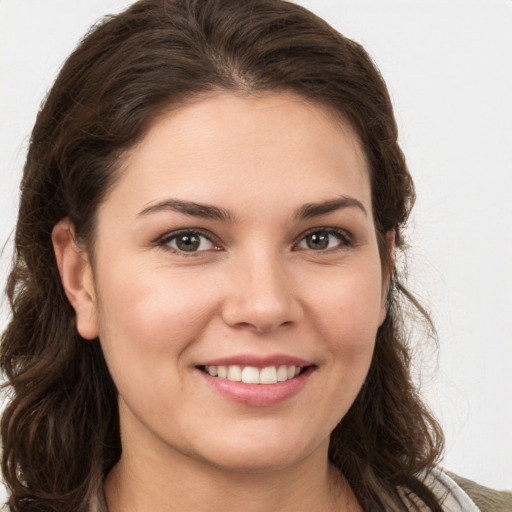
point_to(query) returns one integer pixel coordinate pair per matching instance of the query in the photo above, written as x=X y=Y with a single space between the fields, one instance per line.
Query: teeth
x=253 y=375
x=282 y=373
x=268 y=375
x=234 y=373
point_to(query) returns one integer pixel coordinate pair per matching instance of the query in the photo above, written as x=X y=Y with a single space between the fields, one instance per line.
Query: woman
x=206 y=312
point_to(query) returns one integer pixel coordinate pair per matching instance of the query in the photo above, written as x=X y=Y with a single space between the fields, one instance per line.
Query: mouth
x=257 y=381
x=254 y=375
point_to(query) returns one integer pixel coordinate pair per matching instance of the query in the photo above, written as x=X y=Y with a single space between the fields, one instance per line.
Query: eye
x=188 y=241
x=323 y=239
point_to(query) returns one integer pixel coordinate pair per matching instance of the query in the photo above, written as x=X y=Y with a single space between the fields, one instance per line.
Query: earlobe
x=76 y=277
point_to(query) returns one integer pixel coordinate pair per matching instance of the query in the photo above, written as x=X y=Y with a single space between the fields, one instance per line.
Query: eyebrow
x=191 y=208
x=322 y=208
x=207 y=211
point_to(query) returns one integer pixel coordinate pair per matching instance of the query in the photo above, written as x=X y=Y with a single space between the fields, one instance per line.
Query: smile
x=257 y=381
x=254 y=375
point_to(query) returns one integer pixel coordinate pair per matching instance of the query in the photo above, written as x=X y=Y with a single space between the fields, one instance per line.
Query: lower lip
x=258 y=395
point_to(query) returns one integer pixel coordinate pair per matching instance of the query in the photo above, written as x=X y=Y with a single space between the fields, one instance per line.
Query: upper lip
x=257 y=361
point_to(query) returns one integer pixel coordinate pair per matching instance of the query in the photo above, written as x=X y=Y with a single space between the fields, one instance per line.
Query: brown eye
x=318 y=241
x=188 y=242
x=322 y=240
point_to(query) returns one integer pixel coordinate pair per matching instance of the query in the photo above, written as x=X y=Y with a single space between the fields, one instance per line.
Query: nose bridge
x=261 y=294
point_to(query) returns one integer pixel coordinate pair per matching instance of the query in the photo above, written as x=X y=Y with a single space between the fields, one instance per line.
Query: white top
x=456 y=499
x=449 y=494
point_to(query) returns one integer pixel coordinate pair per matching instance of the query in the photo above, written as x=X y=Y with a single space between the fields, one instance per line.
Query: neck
x=178 y=483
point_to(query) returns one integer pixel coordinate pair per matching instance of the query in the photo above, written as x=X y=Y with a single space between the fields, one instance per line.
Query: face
x=238 y=243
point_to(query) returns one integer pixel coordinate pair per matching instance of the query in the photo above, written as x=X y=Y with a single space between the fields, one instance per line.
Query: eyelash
x=165 y=241
x=343 y=237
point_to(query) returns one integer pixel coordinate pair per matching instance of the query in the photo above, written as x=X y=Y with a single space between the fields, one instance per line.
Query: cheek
x=349 y=307
x=345 y=320
x=148 y=318
x=347 y=313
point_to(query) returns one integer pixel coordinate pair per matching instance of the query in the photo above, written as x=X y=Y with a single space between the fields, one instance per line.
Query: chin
x=262 y=455
x=249 y=464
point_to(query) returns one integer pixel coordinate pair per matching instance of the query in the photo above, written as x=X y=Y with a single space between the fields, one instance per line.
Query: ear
x=387 y=272
x=77 y=278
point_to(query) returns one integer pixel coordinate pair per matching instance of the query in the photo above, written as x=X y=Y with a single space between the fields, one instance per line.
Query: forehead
x=244 y=149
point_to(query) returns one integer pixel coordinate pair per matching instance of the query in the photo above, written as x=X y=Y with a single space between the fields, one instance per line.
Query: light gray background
x=448 y=65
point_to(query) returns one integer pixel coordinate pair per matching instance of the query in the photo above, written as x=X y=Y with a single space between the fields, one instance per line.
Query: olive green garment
x=487 y=500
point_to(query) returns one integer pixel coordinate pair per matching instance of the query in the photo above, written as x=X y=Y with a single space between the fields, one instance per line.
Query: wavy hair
x=60 y=429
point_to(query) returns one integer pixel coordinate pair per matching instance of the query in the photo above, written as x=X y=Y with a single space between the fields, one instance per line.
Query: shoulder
x=459 y=494
x=487 y=500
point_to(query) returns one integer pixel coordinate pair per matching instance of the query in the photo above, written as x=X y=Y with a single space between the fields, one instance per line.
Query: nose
x=261 y=296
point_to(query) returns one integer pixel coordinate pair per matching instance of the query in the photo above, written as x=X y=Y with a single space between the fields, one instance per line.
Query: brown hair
x=60 y=430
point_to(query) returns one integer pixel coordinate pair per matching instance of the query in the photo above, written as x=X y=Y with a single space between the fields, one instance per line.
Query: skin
x=254 y=287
